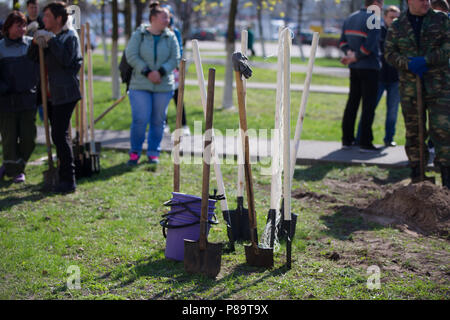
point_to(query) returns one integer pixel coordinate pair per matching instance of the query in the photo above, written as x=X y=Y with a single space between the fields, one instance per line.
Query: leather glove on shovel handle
x=240 y=63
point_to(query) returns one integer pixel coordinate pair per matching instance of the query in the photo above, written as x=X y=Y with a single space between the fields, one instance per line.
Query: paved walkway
x=310 y=152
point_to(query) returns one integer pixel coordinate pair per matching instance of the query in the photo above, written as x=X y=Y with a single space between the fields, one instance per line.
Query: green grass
x=322 y=121
x=110 y=230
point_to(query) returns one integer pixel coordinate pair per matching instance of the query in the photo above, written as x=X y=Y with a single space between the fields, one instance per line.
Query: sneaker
x=368 y=149
x=390 y=144
x=153 y=159
x=20 y=178
x=186 y=131
x=134 y=159
x=2 y=171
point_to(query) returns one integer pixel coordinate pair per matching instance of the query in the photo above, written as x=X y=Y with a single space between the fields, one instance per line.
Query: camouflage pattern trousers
x=437 y=109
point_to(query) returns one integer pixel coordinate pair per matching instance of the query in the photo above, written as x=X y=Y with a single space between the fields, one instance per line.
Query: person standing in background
x=62 y=55
x=388 y=82
x=361 y=48
x=418 y=44
x=19 y=77
x=154 y=53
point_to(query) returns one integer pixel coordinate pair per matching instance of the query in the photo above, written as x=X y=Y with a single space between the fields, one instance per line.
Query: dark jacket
x=63 y=61
x=356 y=36
x=19 y=76
x=388 y=73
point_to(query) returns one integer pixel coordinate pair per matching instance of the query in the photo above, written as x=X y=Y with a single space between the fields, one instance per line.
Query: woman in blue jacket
x=153 y=52
x=63 y=62
x=19 y=77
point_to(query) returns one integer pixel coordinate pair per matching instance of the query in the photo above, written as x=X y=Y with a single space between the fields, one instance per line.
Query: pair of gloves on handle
x=41 y=37
x=417 y=65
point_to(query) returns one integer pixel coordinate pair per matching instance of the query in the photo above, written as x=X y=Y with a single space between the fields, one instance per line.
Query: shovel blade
x=206 y=262
x=258 y=257
x=51 y=179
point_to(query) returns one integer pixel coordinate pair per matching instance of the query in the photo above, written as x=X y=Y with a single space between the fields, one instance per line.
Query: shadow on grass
x=15 y=198
x=318 y=172
x=345 y=221
x=107 y=173
x=175 y=276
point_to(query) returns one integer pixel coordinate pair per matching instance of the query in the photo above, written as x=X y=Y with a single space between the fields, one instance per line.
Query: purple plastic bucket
x=188 y=221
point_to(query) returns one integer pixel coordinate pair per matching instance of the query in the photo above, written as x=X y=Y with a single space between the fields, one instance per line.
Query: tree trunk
x=140 y=6
x=229 y=46
x=105 y=49
x=260 y=27
x=184 y=10
x=299 y=30
x=114 y=51
x=127 y=13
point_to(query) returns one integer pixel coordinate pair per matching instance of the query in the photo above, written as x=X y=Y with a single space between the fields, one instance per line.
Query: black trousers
x=363 y=85
x=59 y=117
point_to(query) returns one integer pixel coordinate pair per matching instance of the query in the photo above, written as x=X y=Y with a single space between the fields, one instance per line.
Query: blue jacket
x=356 y=36
x=19 y=76
x=63 y=61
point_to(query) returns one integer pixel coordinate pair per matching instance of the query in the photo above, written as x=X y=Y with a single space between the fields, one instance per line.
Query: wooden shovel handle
x=421 y=127
x=91 y=88
x=247 y=165
x=82 y=87
x=176 y=144
x=45 y=106
x=207 y=158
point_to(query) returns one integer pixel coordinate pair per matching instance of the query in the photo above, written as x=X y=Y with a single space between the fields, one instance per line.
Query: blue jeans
x=392 y=103
x=148 y=108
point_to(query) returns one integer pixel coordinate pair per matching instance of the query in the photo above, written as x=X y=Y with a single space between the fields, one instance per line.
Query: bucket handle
x=165 y=224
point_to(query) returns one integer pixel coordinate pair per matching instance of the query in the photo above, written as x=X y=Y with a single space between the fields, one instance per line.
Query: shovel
x=201 y=256
x=81 y=160
x=51 y=176
x=238 y=219
x=255 y=256
x=420 y=112
x=94 y=148
x=177 y=135
x=217 y=169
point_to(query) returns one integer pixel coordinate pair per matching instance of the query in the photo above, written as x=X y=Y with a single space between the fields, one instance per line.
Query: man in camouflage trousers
x=418 y=43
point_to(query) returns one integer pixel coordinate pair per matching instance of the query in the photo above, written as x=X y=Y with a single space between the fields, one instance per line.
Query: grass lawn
x=110 y=230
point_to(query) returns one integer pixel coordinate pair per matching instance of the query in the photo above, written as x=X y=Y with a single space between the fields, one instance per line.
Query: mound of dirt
x=423 y=207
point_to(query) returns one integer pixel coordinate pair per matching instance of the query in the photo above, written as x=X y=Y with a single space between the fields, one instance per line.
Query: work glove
x=32 y=27
x=42 y=37
x=417 y=65
x=240 y=64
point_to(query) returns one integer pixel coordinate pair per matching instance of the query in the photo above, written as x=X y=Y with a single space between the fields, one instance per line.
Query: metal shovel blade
x=51 y=179
x=206 y=262
x=258 y=257
x=239 y=221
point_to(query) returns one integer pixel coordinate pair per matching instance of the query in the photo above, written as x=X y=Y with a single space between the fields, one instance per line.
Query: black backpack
x=125 y=69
